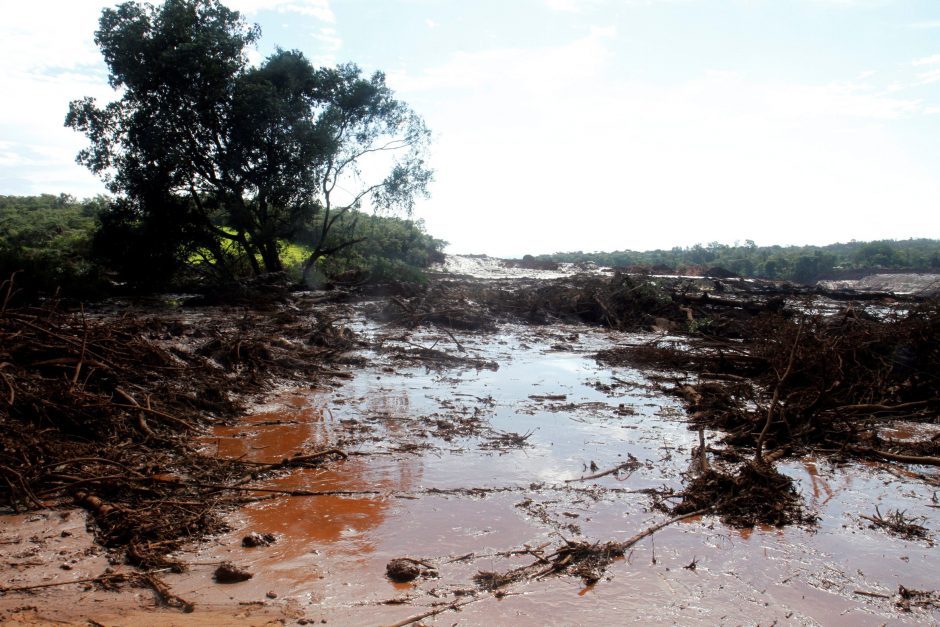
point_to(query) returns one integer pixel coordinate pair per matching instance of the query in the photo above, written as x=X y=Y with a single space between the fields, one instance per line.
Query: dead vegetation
x=577 y=558
x=622 y=302
x=101 y=411
x=793 y=381
x=405 y=569
x=898 y=523
x=753 y=495
x=779 y=370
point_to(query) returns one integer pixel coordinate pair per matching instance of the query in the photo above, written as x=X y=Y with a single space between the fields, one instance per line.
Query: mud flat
x=446 y=471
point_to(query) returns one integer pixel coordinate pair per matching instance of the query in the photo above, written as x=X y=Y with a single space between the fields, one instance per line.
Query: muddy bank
x=100 y=410
x=477 y=437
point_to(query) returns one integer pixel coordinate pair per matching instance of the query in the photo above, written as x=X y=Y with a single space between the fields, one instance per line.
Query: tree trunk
x=270 y=257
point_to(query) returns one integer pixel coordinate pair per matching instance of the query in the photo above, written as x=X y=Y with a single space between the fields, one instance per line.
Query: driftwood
x=164 y=595
x=629 y=465
x=557 y=562
x=923 y=460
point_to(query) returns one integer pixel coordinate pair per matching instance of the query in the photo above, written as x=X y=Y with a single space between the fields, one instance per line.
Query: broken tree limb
x=164 y=595
x=651 y=530
x=439 y=610
x=240 y=488
x=631 y=465
x=762 y=438
x=887 y=408
x=907 y=459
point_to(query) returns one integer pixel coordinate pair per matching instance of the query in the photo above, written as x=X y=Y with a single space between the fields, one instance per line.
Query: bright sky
x=584 y=124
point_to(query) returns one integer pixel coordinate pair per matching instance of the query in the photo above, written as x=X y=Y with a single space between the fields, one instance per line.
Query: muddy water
x=458 y=466
x=457 y=498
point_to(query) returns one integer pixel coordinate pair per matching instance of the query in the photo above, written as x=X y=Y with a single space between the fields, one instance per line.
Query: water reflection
x=303 y=425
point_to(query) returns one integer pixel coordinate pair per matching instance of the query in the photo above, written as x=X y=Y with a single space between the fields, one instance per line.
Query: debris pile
x=754 y=495
x=101 y=411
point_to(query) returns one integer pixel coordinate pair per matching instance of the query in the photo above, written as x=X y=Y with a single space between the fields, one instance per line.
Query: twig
x=759 y=448
x=456 y=341
x=604 y=473
x=9 y=286
x=164 y=595
x=220 y=486
x=439 y=610
x=908 y=459
x=299 y=460
x=116 y=578
x=650 y=531
x=876 y=407
x=167 y=417
x=81 y=356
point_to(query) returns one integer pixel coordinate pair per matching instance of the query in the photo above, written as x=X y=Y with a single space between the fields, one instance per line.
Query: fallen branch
x=439 y=610
x=631 y=465
x=650 y=531
x=762 y=438
x=221 y=486
x=908 y=459
x=877 y=407
x=164 y=595
x=299 y=460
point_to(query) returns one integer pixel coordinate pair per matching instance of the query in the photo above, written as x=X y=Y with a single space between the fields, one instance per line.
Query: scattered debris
x=909 y=598
x=631 y=464
x=230 y=573
x=898 y=523
x=255 y=539
x=101 y=410
x=405 y=569
x=755 y=494
x=503 y=440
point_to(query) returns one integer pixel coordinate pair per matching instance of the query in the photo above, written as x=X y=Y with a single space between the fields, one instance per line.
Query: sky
x=563 y=125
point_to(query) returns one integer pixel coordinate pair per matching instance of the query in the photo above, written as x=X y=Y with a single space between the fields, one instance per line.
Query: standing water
x=487 y=463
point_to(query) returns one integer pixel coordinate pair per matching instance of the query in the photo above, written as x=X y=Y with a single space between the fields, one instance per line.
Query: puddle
x=458 y=466
x=447 y=493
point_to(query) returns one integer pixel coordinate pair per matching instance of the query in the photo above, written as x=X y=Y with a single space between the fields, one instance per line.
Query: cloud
x=571 y=6
x=574 y=158
x=925 y=25
x=932 y=72
x=511 y=69
x=33 y=37
x=588 y=6
x=319 y=9
x=933 y=59
x=330 y=43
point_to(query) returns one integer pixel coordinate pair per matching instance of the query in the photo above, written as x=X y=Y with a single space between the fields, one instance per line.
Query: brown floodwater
x=461 y=498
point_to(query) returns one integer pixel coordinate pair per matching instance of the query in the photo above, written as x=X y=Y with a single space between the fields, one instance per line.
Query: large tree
x=246 y=155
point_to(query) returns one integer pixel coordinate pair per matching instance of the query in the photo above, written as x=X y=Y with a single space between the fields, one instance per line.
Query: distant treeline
x=60 y=243
x=803 y=264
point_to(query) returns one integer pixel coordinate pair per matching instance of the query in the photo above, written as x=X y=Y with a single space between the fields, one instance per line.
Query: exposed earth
x=528 y=445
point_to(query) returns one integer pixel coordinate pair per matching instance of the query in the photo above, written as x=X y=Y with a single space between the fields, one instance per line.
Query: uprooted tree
x=211 y=158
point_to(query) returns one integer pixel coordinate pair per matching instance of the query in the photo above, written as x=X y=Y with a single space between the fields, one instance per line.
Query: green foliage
x=805 y=264
x=200 y=140
x=149 y=250
x=47 y=240
x=384 y=248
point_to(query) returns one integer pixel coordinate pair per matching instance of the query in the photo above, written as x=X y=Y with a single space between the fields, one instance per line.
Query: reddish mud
x=464 y=469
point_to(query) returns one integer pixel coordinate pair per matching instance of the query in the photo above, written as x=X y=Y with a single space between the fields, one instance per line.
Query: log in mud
x=528 y=447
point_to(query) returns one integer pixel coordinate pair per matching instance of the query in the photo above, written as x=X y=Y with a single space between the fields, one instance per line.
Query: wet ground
x=466 y=462
x=460 y=467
